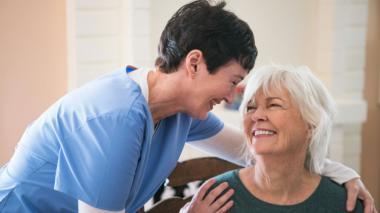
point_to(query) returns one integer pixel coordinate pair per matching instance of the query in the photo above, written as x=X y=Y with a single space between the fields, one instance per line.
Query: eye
x=234 y=83
x=274 y=105
x=251 y=108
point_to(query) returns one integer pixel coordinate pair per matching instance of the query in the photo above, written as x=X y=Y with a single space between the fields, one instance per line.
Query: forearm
x=338 y=172
x=85 y=208
x=226 y=144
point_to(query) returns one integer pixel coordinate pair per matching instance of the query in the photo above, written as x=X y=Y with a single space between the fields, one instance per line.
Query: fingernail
x=349 y=207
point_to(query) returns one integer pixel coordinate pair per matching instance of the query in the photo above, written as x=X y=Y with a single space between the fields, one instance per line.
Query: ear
x=192 y=60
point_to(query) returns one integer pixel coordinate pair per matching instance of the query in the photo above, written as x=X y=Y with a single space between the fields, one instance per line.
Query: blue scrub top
x=97 y=144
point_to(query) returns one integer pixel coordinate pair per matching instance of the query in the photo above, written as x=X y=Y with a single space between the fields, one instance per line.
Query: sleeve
x=202 y=129
x=227 y=144
x=98 y=162
x=338 y=172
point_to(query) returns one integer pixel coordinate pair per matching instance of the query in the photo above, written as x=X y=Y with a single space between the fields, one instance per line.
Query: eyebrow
x=239 y=77
x=273 y=98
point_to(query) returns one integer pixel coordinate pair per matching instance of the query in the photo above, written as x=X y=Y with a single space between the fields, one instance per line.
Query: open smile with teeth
x=263 y=132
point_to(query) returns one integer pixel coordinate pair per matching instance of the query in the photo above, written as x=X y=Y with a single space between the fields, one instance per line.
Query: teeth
x=263 y=132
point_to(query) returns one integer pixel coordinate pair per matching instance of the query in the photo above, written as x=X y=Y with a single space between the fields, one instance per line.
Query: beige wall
x=33 y=64
x=371 y=133
x=296 y=36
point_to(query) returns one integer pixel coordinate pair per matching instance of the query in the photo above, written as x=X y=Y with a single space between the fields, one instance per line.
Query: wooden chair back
x=198 y=169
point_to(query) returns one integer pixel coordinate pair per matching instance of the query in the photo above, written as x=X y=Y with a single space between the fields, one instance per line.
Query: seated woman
x=288 y=117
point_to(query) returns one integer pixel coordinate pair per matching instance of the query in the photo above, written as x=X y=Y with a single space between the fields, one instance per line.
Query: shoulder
x=335 y=195
x=111 y=94
x=332 y=189
x=113 y=108
x=231 y=177
x=227 y=175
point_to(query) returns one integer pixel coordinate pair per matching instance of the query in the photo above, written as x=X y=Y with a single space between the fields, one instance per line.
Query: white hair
x=308 y=94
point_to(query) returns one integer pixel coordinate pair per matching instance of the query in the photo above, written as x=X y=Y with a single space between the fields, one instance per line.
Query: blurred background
x=48 y=48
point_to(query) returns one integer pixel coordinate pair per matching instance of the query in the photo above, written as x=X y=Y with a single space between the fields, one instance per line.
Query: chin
x=261 y=149
x=203 y=117
x=200 y=114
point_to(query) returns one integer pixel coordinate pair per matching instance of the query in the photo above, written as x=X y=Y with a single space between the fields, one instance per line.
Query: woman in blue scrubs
x=110 y=144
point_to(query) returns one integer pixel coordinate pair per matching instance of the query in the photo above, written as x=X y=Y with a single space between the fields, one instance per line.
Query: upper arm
x=338 y=172
x=97 y=164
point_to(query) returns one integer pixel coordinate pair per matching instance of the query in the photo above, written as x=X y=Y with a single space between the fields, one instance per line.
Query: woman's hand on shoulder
x=356 y=189
x=214 y=201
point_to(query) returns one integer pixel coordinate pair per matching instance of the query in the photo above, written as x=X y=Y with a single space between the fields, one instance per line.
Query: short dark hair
x=219 y=34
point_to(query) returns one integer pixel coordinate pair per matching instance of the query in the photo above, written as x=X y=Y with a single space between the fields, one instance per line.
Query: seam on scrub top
x=23 y=149
x=108 y=150
x=212 y=129
x=19 y=182
x=33 y=154
x=103 y=115
x=30 y=174
x=6 y=199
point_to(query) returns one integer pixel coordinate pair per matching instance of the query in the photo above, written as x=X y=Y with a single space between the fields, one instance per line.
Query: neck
x=287 y=182
x=272 y=176
x=163 y=98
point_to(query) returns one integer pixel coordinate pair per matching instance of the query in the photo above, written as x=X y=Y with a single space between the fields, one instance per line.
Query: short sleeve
x=202 y=129
x=97 y=163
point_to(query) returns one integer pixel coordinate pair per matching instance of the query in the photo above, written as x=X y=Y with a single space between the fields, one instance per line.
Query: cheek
x=248 y=127
x=286 y=123
x=294 y=134
x=286 y=129
x=216 y=92
x=225 y=88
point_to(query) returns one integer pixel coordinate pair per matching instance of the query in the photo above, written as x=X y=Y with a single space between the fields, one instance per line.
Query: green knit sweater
x=329 y=197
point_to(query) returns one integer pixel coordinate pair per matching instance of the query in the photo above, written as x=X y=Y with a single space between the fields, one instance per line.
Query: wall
x=32 y=64
x=371 y=133
x=109 y=35
x=99 y=38
x=274 y=23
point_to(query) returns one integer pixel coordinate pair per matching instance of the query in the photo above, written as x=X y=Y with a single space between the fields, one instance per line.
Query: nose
x=229 y=98
x=259 y=115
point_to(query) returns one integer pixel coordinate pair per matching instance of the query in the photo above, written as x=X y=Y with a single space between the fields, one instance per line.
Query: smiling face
x=273 y=125
x=211 y=89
